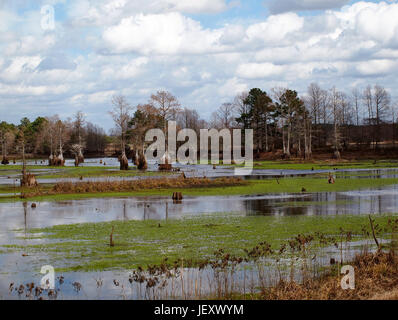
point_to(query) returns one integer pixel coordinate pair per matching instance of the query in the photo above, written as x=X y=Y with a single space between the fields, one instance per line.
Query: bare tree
x=49 y=135
x=78 y=125
x=335 y=102
x=7 y=137
x=356 y=97
x=368 y=101
x=225 y=116
x=382 y=100
x=314 y=102
x=393 y=116
x=189 y=118
x=121 y=117
x=62 y=130
x=167 y=106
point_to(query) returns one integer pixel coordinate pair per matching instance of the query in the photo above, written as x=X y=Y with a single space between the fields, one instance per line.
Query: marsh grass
x=248 y=276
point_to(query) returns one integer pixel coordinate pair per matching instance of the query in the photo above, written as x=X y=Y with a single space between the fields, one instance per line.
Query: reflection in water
x=17 y=218
x=22 y=216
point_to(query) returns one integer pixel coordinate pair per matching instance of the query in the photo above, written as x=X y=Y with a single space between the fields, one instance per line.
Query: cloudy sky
x=203 y=51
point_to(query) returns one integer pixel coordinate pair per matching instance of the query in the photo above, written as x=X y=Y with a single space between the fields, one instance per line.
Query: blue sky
x=203 y=51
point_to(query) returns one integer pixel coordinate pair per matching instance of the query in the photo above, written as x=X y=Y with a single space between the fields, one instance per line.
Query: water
x=197 y=170
x=21 y=216
x=17 y=218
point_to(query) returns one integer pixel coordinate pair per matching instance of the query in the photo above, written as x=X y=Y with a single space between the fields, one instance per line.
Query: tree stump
x=177 y=196
x=29 y=180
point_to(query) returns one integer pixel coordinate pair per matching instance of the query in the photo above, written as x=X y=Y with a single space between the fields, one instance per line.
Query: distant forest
x=284 y=123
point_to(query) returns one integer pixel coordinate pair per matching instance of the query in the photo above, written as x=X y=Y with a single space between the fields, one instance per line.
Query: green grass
x=85 y=247
x=77 y=172
x=323 y=165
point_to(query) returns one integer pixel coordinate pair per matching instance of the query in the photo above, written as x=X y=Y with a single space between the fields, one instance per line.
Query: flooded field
x=18 y=218
x=12 y=177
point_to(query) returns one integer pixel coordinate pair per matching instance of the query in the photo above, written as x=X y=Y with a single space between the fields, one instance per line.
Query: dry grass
x=376 y=277
x=140 y=185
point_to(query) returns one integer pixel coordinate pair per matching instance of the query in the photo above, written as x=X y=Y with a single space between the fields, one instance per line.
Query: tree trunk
x=80 y=156
x=142 y=163
x=124 y=162
x=288 y=140
x=266 y=135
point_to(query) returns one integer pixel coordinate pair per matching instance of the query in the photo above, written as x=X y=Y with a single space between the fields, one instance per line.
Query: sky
x=203 y=51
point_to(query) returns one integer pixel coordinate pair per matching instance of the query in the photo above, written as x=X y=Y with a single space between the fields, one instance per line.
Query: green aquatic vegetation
x=85 y=247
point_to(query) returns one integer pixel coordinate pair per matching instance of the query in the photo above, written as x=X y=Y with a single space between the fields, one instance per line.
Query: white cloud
x=378 y=22
x=377 y=67
x=169 y=33
x=126 y=71
x=89 y=12
x=275 y=28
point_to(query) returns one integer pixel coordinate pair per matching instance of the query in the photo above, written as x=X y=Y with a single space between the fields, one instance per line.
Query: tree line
x=52 y=137
x=322 y=120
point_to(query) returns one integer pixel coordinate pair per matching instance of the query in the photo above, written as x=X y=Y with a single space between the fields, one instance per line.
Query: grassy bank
x=85 y=247
x=77 y=172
